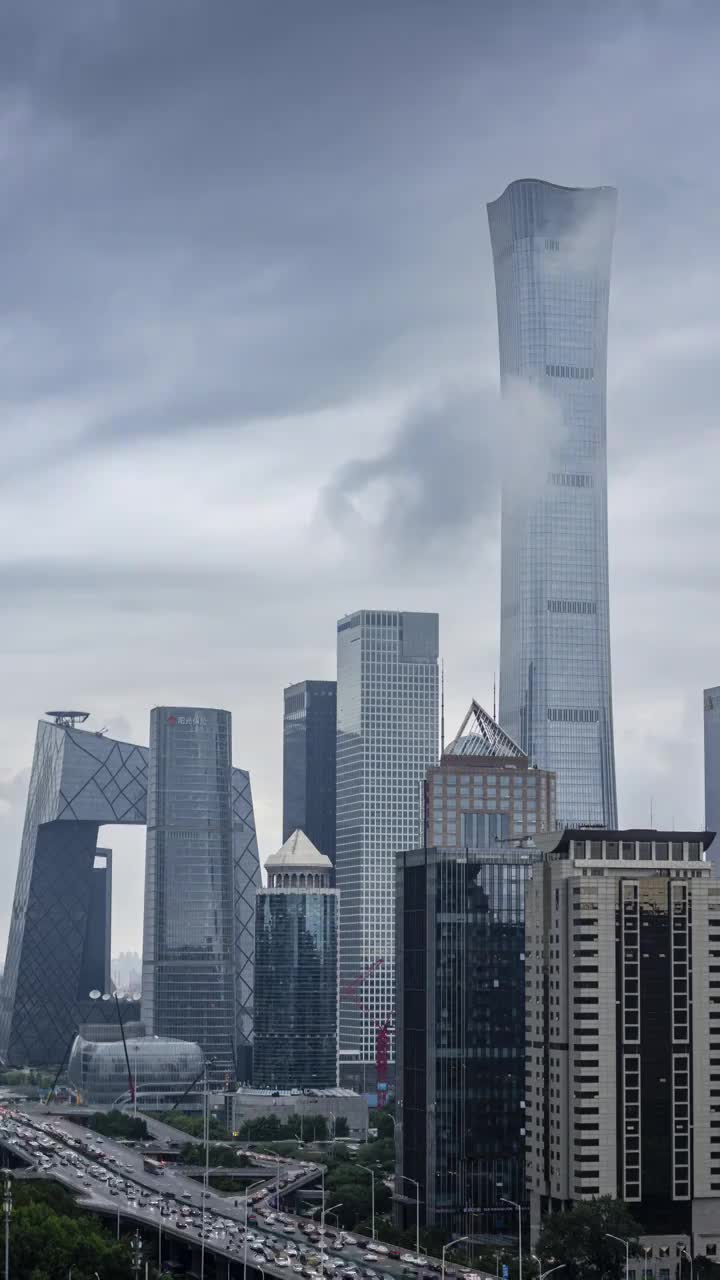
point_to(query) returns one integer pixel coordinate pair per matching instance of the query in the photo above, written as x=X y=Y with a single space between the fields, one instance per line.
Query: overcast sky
x=248 y=356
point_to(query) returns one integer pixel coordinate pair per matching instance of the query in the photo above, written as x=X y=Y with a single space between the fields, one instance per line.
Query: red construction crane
x=350 y=990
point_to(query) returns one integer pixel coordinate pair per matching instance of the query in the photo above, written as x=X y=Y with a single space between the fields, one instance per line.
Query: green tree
x=352 y=1188
x=116 y=1124
x=381 y=1152
x=228 y=1157
x=49 y=1234
x=381 y=1118
x=578 y=1238
x=193 y=1125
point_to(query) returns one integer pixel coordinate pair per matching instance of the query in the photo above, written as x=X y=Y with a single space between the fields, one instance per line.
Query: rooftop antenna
x=68 y=719
x=494 y=706
x=651 y=813
x=442 y=706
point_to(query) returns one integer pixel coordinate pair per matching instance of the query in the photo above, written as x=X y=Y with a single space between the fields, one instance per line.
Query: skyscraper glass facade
x=551 y=249
x=296 y=965
x=387 y=735
x=309 y=762
x=189 y=939
x=58 y=947
x=711 y=704
x=461 y=1032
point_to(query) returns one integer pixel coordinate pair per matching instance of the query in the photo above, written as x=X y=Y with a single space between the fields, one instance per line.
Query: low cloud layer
x=248 y=355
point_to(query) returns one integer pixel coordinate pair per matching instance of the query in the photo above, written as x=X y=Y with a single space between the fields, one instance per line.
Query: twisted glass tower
x=551 y=249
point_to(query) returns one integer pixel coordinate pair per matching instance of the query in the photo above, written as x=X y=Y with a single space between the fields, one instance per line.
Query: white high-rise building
x=711 y=705
x=387 y=736
x=622 y=990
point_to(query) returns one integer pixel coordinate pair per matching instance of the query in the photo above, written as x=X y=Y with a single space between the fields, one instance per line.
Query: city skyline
x=225 y=353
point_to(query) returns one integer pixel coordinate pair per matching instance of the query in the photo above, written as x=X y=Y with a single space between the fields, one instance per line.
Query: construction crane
x=349 y=990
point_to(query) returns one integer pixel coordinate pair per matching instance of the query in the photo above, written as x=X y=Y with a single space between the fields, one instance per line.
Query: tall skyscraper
x=188 y=940
x=60 y=922
x=461 y=1034
x=296 y=971
x=309 y=762
x=711 y=703
x=623 y=1032
x=387 y=735
x=551 y=248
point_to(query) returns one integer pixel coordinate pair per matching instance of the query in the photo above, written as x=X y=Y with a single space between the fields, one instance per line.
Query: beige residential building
x=623 y=1034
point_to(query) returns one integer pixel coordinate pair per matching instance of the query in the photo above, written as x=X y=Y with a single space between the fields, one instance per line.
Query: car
x=394 y=1253
x=181 y=1224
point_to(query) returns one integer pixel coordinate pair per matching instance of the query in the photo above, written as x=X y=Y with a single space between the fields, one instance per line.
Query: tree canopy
x=117 y=1124
x=49 y=1234
x=578 y=1239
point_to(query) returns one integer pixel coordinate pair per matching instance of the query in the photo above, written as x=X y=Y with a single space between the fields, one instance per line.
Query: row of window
x=573 y=715
x=572 y=606
x=570 y=480
x=579 y=372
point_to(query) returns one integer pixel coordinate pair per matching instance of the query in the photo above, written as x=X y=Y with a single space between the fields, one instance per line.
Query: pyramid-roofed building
x=298 y=854
x=483 y=738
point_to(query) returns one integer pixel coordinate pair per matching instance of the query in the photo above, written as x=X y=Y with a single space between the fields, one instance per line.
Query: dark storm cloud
x=238 y=240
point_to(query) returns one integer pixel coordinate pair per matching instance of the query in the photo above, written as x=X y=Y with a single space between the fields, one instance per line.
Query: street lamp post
x=136 y=1253
x=544 y=1274
x=322 y=1231
x=206 y=1171
x=626 y=1243
x=7 y=1210
x=689 y=1257
x=646 y=1248
x=367 y=1169
x=445 y=1248
x=515 y=1205
x=253 y=1185
x=404 y=1178
x=160 y=1218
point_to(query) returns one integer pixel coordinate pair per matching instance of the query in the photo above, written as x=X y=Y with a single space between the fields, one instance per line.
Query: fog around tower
x=248 y=348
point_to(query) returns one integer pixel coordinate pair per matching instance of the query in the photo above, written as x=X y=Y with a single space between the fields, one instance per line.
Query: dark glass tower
x=309 y=754
x=188 y=945
x=461 y=1032
x=296 y=968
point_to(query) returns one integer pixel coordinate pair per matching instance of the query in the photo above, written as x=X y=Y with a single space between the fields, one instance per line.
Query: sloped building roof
x=483 y=737
x=300 y=854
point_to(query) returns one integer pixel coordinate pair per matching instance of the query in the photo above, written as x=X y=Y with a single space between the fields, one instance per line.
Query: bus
x=152 y=1166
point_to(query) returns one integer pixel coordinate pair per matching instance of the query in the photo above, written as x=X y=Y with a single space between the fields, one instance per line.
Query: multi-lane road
x=246 y=1229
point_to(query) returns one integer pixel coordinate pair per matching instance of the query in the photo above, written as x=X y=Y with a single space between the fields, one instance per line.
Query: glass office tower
x=296 y=971
x=461 y=1034
x=551 y=248
x=189 y=943
x=387 y=735
x=309 y=762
